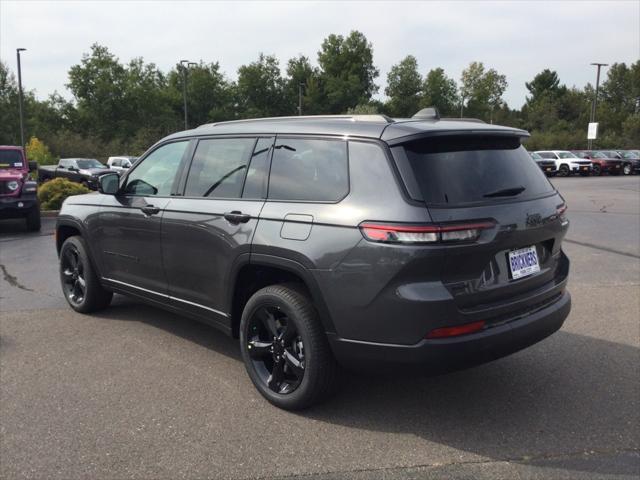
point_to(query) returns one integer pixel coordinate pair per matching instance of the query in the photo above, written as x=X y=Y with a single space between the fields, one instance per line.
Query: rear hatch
x=489 y=180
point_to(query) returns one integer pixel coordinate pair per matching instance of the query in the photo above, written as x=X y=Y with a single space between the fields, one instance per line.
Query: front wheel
x=80 y=284
x=564 y=171
x=597 y=171
x=285 y=349
x=627 y=170
x=32 y=220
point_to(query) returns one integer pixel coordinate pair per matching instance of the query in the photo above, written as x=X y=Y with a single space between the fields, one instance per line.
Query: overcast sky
x=517 y=38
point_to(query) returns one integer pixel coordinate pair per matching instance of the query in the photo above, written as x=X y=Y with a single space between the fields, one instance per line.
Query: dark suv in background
x=353 y=240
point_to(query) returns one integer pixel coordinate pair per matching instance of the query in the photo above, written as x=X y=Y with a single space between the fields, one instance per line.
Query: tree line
x=119 y=108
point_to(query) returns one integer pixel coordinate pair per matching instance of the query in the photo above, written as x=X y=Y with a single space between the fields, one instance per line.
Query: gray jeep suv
x=322 y=241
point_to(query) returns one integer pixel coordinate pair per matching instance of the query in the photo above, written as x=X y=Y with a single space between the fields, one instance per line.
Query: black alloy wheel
x=285 y=348
x=72 y=272
x=276 y=349
x=80 y=283
x=564 y=171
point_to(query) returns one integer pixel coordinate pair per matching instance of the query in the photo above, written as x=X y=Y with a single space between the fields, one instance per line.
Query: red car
x=17 y=192
x=601 y=162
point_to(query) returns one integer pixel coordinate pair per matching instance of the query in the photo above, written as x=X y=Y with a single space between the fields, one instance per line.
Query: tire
x=627 y=170
x=299 y=370
x=78 y=279
x=32 y=219
x=564 y=171
x=597 y=171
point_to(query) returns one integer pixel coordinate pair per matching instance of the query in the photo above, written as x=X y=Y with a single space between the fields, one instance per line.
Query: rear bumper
x=16 y=207
x=437 y=356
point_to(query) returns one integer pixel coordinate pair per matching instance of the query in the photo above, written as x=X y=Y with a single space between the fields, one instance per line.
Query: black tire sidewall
x=301 y=317
x=95 y=296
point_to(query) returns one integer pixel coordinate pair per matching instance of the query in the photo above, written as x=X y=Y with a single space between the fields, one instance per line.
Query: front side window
x=219 y=167
x=156 y=173
x=89 y=163
x=309 y=170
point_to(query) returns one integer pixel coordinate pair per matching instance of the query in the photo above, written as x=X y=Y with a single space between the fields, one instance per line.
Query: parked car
x=546 y=165
x=82 y=170
x=121 y=164
x=602 y=163
x=566 y=162
x=318 y=241
x=633 y=157
x=18 y=193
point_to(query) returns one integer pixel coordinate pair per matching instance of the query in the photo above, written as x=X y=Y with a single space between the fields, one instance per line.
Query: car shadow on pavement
x=570 y=395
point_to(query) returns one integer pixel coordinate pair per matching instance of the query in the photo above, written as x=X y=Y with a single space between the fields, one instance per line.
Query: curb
x=49 y=213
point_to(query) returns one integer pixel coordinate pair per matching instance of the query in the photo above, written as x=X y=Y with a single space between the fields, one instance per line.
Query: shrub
x=52 y=193
x=39 y=152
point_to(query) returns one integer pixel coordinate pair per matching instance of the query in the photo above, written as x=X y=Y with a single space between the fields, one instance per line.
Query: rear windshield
x=469 y=169
x=10 y=159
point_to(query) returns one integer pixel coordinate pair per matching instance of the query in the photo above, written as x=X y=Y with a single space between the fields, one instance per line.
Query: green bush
x=52 y=193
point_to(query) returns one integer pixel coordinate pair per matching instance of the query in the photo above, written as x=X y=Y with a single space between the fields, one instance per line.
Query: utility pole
x=21 y=99
x=595 y=98
x=300 y=86
x=185 y=64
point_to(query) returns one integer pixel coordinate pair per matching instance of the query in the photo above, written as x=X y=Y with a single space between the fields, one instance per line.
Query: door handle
x=149 y=210
x=237 y=217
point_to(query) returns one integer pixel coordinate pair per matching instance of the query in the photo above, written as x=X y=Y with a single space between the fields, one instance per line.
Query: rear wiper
x=506 y=192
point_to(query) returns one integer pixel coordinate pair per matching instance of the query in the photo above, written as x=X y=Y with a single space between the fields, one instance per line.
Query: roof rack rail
x=352 y=118
x=464 y=119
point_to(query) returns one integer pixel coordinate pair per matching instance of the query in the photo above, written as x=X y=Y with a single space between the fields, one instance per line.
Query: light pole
x=185 y=64
x=300 y=86
x=595 y=98
x=20 y=100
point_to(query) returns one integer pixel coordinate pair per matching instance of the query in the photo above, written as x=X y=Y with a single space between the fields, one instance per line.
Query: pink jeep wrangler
x=18 y=197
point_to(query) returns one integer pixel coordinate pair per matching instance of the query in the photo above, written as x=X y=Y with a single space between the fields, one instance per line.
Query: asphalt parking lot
x=135 y=392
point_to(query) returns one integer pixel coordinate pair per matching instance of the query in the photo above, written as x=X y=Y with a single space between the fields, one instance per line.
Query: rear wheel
x=564 y=171
x=80 y=284
x=285 y=349
x=32 y=219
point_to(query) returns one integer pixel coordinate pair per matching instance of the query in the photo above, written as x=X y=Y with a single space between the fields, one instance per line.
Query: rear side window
x=219 y=167
x=309 y=170
x=470 y=169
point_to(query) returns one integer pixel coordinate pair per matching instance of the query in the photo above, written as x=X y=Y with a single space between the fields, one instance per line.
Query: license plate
x=585 y=168
x=548 y=169
x=523 y=262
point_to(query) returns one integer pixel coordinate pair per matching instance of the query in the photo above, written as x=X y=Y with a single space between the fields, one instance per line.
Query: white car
x=121 y=164
x=567 y=162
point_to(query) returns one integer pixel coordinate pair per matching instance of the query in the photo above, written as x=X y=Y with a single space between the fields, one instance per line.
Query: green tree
x=301 y=74
x=261 y=89
x=544 y=84
x=348 y=73
x=37 y=151
x=404 y=85
x=10 y=131
x=440 y=91
x=481 y=90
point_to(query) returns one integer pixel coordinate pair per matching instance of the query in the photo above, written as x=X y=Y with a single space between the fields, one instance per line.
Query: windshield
x=10 y=159
x=610 y=154
x=90 y=163
x=599 y=155
x=630 y=155
x=535 y=156
x=468 y=169
x=566 y=155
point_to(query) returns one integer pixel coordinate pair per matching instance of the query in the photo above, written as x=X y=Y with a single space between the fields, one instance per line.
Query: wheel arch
x=250 y=275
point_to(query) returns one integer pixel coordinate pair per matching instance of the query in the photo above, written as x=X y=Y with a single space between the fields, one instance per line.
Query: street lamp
x=21 y=100
x=595 y=98
x=300 y=87
x=185 y=64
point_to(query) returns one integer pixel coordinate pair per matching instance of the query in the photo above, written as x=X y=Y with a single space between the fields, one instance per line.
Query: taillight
x=560 y=214
x=419 y=234
x=456 y=331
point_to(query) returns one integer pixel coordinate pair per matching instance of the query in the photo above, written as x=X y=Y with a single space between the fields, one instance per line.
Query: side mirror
x=126 y=165
x=109 y=183
x=73 y=169
x=33 y=166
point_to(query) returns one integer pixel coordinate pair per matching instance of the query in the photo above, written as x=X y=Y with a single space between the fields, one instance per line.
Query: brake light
x=398 y=233
x=561 y=209
x=456 y=331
